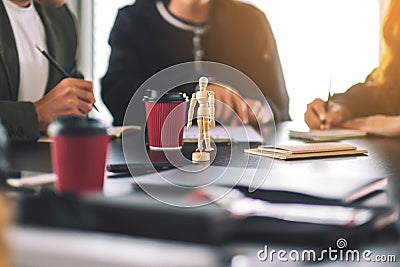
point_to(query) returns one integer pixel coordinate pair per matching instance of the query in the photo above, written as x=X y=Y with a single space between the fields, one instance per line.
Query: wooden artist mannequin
x=205 y=119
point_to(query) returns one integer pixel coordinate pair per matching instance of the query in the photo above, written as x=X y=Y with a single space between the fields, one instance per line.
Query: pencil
x=56 y=65
x=326 y=104
x=329 y=95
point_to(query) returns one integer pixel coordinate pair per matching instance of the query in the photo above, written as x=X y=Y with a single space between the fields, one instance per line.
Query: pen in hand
x=56 y=65
x=326 y=104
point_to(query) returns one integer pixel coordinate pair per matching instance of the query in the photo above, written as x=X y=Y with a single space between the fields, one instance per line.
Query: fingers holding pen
x=75 y=88
x=69 y=97
x=88 y=87
x=69 y=83
x=82 y=84
x=316 y=116
x=337 y=114
x=322 y=115
x=85 y=96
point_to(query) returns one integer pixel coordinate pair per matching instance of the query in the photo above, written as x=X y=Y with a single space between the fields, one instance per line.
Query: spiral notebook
x=309 y=150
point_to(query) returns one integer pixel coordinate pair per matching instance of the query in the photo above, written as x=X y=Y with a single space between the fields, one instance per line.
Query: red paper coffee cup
x=166 y=117
x=78 y=152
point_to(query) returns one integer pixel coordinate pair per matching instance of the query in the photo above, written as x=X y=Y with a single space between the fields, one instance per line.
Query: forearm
x=388 y=126
x=393 y=126
x=362 y=100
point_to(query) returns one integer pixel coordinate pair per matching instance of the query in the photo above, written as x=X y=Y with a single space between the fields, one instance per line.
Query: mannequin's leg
x=206 y=129
x=200 y=134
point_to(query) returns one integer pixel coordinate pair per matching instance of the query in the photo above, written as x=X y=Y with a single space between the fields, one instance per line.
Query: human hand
x=230 y=107
x=378 y=125
x=189 y=124
x=69 y=97
x=317 y=117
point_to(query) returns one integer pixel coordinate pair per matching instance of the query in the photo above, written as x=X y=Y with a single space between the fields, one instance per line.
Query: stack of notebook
x=310 y=150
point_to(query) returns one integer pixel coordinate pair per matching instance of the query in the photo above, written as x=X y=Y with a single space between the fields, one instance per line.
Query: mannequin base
x=200 y=156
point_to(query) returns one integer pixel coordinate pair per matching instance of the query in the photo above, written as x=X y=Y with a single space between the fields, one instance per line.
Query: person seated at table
x=374 y=105
x=151 y=35
x=32 y=92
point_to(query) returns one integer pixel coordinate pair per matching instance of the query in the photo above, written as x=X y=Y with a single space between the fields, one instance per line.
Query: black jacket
x=144 y=43
x=20 y=118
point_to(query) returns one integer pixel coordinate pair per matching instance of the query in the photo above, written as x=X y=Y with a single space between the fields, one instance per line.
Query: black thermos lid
x=170 y=97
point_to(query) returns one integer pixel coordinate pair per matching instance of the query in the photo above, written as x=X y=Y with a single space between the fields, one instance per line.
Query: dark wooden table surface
x=383 y=160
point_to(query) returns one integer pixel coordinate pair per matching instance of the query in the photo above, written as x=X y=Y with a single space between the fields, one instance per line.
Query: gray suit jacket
x=20 y=118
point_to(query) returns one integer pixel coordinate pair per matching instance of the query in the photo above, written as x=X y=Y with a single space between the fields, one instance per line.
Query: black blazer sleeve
x=20 y=120
x=363 y=99
x=124 y=74
x=268 y=72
